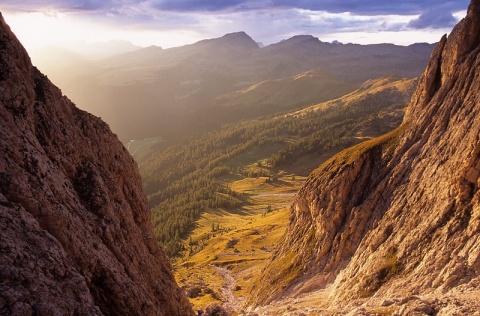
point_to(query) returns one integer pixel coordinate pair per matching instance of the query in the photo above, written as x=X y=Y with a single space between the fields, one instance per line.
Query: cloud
x=440 y=18
x=268 y=21
x=435 y=19
x=84 y=5
x=196 y=5
x=60 y=5
x=373 y=7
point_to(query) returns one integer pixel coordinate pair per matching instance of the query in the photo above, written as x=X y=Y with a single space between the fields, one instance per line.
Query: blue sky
x=170 y=23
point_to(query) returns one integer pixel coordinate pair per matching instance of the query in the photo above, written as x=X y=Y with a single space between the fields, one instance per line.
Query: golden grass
x=256 y=234
x=369 y=87
x=386 y=142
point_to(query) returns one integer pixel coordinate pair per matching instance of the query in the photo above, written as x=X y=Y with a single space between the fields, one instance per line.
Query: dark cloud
x=61 y=5
x=367 y=7
x=357 y=7
x=373 y=7
x=431 y=14
x=87 y=5
x=440 y=17
x=197 y=5
x=435 y=19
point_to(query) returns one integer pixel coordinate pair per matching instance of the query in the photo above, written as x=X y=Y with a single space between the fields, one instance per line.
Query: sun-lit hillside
x=248 y=176
x=272 y=97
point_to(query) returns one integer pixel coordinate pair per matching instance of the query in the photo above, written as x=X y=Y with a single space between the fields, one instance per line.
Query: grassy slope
x=251 y=231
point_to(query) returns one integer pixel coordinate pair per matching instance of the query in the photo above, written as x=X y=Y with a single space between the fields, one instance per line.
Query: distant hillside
x=183 y=181
x=159 y=92
x=271 y=97
x=65 y=65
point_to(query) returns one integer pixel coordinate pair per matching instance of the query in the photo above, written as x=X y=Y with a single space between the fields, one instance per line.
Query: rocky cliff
x=395 y=221
x=75 y=235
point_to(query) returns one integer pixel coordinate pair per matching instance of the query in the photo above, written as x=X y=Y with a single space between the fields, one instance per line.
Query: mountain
x=238 y=175
x=158 y=92
x=392 y=225
x=75 y=231
x=353 y=63
x=204 y=51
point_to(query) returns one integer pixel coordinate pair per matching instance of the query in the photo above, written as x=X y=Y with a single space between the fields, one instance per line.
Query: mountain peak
x=447 y=57
x=229 y=43
x=236 y=35
x=301 y=39
x=238 y=38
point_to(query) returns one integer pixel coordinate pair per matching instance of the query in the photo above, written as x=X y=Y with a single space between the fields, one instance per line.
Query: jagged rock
x=75 y=233
x=399 y=215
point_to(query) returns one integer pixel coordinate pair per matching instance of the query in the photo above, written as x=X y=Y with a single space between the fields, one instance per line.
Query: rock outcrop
x=75 y=235
x=399 y=216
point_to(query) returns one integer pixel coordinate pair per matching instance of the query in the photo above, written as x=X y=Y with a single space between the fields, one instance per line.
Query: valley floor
x=228 y=248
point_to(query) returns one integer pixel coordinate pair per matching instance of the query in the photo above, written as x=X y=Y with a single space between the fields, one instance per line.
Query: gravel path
x=231 y=302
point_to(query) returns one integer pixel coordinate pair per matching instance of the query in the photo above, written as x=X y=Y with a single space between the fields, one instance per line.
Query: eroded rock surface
x=75 y=234
x=397 y=216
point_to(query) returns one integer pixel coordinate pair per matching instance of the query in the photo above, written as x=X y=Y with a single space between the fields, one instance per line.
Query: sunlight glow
x=37 y=29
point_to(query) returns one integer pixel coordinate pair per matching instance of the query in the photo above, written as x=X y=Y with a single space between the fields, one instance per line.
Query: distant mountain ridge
x=141 y=93
x=393 y=224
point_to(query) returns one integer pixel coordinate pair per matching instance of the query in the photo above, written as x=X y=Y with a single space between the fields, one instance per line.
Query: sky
x=170 y=23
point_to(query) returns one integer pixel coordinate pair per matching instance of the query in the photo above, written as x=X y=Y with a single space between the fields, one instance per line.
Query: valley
x=182 y=181
x=254 y=168
x=241 y=131
x=228 y=248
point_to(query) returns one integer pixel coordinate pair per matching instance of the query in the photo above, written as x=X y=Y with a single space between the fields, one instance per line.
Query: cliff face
x=399 y=215
x=75 y=235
